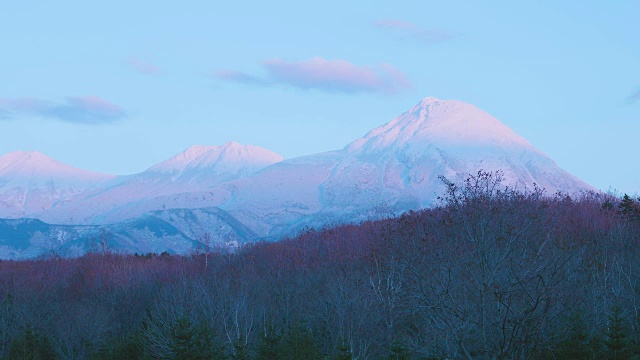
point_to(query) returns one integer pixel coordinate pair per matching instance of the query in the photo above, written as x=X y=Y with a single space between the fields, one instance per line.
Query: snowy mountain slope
x=180 y=231
x=29 y=238
x=282 y=194
x=216 y=164
x=399 y=163
x=197 y=169
x=392 y=169
x=31 y=182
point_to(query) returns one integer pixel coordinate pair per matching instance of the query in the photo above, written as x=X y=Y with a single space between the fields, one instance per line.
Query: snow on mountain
x=222 y=163
x=399 y=163
x=392 y=169
x=197 y=169
x=32 y=182
x=442 y=123
x=181 y=231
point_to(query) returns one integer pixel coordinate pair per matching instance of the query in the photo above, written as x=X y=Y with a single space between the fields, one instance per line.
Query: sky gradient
x=119 y=86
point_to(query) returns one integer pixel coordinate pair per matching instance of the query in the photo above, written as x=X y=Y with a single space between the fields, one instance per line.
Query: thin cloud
x=75 y=109
x=143 y=67
x=241 y=78
x=338 y=76
x=413 y=31
x=634 y=98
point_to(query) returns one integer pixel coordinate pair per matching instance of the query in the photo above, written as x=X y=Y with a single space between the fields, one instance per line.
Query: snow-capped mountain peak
x=392 y=169
x=439 y=122
x=32 y=164
x=31 y=182
x=231 y=156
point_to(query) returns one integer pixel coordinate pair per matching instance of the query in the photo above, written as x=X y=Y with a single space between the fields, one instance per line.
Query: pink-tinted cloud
x=326 y=75
x=143 y=67
x=76 y=109
x=413 y=31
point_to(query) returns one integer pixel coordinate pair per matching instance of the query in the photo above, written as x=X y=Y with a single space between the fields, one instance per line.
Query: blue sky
x=118 y=86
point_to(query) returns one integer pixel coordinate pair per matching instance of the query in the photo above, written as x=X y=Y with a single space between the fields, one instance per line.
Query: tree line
x=491 y=272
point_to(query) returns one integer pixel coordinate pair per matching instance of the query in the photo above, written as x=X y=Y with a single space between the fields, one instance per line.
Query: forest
x=490 y=272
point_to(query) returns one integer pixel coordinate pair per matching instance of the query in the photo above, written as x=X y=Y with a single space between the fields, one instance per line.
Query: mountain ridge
x=392 y=169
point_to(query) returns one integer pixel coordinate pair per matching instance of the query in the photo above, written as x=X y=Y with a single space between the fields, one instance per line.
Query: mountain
x=199 y=168
x=180 y=231
x=246 y=193
x=32 y=182
x=392 y=169
x=215 y=164
x=399 y=163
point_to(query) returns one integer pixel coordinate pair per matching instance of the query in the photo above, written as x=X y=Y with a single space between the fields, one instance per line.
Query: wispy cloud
x=75 y=109
x=325 y=75
x=634 y=98
x=241 y=77
x=413 y=31
x=142 y=66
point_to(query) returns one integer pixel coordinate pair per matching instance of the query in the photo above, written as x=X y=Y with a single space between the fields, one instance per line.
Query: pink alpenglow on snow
x=32 y=164
x=230 y=157
x=33 y=182
x=444 y=123
x=76 y=109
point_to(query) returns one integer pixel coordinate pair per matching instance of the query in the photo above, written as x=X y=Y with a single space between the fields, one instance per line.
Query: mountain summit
x=32 y=182
x=197 y=169
x=442 y=123
x=230 y=160
x=392 y=169
x=33 y=165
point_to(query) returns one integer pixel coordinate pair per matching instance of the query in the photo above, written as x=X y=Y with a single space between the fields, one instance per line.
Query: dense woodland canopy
x=490 y=273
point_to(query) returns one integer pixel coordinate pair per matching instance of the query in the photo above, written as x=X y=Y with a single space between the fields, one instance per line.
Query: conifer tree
x=194 y=343
x=399 y=352
x=30 y=345
x=269 y=348
x=576 y=346
x=240 y=350
x=629 y=208
x=299 y=344
x=344 y=350
x=616 y=336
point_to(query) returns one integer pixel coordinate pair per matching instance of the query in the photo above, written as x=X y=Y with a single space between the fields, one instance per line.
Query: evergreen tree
x=194 y=342
x=576 y=346
x=240 y=350
x=616 y=337
x=629 y=208
x=608 y=205
x=269 y=348
x=344 y=350
x=399 y=352
x=118 y=348
x=30 y=345
x=299 y=344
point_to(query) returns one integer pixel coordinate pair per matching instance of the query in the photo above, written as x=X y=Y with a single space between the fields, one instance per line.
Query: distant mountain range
x=233 y=193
